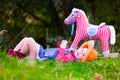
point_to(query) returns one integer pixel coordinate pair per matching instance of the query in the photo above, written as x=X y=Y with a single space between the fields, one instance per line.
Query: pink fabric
x=12 y=53
x=62 y=56
x=82 y=23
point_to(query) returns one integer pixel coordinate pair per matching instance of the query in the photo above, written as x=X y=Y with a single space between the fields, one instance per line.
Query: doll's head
x=80 y=53
x=62 y=44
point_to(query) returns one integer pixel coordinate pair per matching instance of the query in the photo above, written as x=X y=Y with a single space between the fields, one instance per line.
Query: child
x=29 y=47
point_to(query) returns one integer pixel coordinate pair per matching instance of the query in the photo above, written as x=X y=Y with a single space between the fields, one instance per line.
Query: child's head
x=80 y=53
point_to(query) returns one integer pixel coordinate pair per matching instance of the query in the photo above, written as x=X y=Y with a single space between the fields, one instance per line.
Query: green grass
x=14 y=69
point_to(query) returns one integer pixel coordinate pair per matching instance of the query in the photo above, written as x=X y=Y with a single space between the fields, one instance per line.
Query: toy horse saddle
x=92 y=29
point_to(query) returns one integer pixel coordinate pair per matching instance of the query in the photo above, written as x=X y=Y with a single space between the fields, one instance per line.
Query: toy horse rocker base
x=85 y=30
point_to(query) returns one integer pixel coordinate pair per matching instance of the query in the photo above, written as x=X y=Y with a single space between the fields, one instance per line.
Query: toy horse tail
x=113 y=35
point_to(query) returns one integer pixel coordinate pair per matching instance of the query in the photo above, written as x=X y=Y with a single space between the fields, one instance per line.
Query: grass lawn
x=102 y=69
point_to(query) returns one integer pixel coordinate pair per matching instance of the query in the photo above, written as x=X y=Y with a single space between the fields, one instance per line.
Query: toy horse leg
x=105 y=47
x=76 y=41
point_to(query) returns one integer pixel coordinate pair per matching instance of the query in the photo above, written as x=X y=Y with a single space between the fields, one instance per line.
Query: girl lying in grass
x=29 y=47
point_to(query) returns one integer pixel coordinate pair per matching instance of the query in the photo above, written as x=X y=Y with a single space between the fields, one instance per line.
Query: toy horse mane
x=81 y=11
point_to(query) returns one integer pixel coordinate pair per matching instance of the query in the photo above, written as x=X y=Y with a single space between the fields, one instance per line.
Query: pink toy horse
x=85 y=30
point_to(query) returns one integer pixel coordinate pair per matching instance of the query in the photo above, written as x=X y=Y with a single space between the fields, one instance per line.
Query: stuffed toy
x=85 y=30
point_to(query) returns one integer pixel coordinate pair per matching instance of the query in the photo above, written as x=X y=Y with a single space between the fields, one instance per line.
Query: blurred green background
x=44 y=19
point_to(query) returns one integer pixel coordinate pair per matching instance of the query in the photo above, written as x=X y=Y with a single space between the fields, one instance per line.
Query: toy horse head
x=75 y=15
